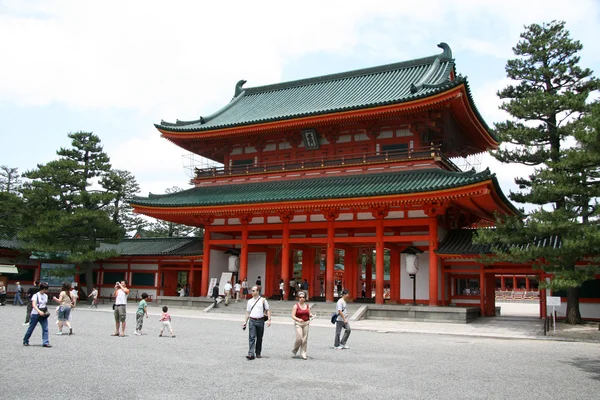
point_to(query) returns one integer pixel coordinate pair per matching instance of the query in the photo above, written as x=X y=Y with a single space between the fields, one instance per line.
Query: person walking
x=237 y=288
x=305 y=286
x=292 y=285
x=18 y=294
x=281 y=289
x=94 y=296
x=139 y=315
x=120 y=307
x=227 y=289
x=39 y=313
x=30 y=292
x=245 y=288
x=74 y=296
x=2 y=294
x=258 y=284
x=256 y=310
x=342 y=322
x=215 y=294
x=165 y=322
x=65 y=302
x=301 y=315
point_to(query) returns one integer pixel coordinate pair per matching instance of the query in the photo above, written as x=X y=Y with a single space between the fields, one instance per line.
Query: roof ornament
x=238 y=88
x=447 y=50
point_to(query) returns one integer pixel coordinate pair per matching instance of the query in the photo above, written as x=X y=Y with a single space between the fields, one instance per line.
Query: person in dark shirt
x=215 y=293
x=32 y=290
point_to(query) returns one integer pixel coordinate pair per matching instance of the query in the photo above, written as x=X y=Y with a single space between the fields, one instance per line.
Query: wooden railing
x=429 y=152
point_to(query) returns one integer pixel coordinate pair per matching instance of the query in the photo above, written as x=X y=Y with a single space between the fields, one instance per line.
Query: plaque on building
x=310 y=139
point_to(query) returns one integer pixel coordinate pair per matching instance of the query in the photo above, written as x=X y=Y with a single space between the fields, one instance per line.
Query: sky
x=117 y=67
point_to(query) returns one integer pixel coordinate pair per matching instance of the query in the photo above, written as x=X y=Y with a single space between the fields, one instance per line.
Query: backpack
x=334 y=317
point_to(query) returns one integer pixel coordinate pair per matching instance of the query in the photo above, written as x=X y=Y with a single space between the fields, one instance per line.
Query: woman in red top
x=301 y=315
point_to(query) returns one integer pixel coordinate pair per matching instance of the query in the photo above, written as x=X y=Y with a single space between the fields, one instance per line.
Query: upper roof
x=332 y=187
x=177 y=246
x=358 y=89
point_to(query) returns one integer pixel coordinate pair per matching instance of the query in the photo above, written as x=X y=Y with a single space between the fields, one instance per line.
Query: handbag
x=334 y=317
x=265 y=317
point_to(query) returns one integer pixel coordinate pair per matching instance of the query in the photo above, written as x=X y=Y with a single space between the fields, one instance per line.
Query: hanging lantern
x=234 y=263
x=411 y=263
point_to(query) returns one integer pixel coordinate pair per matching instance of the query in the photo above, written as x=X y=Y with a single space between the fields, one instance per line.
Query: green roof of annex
x=332 y=187
x=359 y=89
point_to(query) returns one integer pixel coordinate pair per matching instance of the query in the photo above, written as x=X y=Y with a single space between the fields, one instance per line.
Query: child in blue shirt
x=139 y=315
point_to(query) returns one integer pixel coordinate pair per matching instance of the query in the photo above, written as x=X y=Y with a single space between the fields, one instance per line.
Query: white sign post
x=553 y=301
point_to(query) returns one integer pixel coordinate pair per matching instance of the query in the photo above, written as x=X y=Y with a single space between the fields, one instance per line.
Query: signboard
x=553 y=301
x=213 y=282
x=56 y=274
x=225 y=276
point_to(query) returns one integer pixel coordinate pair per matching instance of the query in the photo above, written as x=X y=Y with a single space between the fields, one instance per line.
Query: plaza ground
x=207 y=361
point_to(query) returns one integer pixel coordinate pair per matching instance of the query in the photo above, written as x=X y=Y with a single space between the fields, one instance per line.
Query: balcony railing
x=429 y=152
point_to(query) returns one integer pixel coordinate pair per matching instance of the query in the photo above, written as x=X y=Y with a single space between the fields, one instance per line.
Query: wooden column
x=244 y=220
x=205 y=262
x=331 y=216
x=502 y=286
x=514 y=283
x=379 y=270
x=482 y=290
x=433 y=262
x=395 y=275
x=285 y=251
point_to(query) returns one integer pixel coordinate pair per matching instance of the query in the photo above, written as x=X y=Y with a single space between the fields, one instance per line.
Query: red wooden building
x=353 y=161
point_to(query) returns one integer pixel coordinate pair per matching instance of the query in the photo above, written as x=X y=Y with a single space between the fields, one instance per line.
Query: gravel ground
x=207 y=361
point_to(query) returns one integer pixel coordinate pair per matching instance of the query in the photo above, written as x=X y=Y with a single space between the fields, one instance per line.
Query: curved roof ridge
x=342 y=75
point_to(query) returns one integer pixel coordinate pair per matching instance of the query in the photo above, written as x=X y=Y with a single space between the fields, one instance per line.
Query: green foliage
x=161 y=228
x=65 y=211
x=11 y=207
x=555 y=129
x=10 y=181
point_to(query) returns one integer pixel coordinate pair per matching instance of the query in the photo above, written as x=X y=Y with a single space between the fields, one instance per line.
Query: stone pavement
x=521 y=324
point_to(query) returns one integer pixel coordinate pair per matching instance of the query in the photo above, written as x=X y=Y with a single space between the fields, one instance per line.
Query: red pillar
x=515 y=283
x=379 y=278
x=205 y=261
x=285 y=253
x=490 y=295
x=482 y=289
x=502 y=285
x=244 y=253
x=395 y=275
x=433 y=262
x=329 y=273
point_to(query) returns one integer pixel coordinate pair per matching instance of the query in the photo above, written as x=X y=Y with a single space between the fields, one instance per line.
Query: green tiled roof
x=364 y=88
x=156 y=246
x=460 y=241
x=333 y=187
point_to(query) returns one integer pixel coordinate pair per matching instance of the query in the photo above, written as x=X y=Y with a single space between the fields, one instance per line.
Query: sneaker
x=25 y=323
x=160 y=335
x=59 y=333
x=250 y=357
x=137 y=333
x=173 y=336
x=294 y=354
x=70 y=331
x=25 y=344
x=338 y=347
x=345 y=347
x=47 y=345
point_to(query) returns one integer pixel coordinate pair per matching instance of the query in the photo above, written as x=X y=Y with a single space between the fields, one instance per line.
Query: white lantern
x=234 y=263
x=411 y=263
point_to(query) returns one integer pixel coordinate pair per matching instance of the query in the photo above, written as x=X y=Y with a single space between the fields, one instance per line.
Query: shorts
x=165 y=325
x=245 y=291
x=63 y=313
x=120 y=313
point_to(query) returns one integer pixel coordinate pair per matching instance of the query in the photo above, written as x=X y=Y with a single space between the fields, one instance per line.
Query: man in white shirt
x=227 y=289
x=256 y=310
x=237 y=288
x=120 y=312
x=342 y=322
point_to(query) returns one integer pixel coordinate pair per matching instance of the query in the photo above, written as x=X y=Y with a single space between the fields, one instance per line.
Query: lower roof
x=327 y=188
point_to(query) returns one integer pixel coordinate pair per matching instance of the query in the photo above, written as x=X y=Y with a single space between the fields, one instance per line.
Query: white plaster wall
x=147 y=267
x=256 y=267
x=587 y=310
x=219 y=263
x=114 y=266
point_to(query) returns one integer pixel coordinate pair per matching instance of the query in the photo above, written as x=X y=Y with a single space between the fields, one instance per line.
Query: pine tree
x=67 y=214
x=552 y=128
